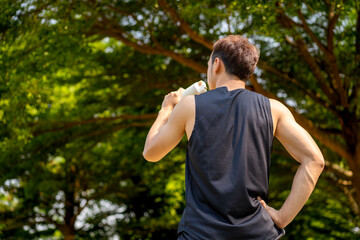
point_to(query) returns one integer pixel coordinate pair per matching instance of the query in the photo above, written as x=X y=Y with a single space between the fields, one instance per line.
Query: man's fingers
x=262 y=202
x=177 y=93
x=180 y=90
x=274 y=214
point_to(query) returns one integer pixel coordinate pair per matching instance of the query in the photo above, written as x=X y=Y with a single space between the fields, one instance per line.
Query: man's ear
x=217 y=65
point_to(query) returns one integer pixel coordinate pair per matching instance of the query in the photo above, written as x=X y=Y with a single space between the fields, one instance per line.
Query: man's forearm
x=160 y=121
x=303 y=185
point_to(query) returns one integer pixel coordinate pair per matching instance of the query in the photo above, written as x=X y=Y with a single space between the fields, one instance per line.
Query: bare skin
x=177 y=117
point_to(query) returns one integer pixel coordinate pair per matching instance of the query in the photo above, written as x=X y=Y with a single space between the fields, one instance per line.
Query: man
x=230 y=132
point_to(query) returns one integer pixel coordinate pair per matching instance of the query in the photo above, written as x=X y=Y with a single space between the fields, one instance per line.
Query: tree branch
x=147 y=49
x=68 y=125
x=328 y=50
x=315 y=69
x=357 y=42
x=353 y=203
x=122 y=12
x=347 y=189
x=356 y=72
x=333 y=131
x=114 y=129
x=80 y=208
x=106 y=27
x=64 y=140
x=287 y=22
x=307 y=29
x=185 y=26
x=284 y=76
x=50 y=220
x=330 y=29
x=333 y=68
x=339 y=171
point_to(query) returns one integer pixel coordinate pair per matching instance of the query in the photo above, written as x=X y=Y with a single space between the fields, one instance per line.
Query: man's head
x=233 y=56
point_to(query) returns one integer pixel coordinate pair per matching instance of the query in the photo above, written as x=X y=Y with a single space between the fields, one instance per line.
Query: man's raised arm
x=168 y=128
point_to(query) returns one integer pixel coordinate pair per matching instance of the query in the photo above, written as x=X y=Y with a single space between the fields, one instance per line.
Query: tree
x=70 y=137
x=81 y=77
x=311 y=53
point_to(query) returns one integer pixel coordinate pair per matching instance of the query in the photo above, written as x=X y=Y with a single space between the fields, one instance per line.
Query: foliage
x=81 y=82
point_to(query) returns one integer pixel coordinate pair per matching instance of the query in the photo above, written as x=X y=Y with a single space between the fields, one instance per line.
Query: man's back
x=227 y=167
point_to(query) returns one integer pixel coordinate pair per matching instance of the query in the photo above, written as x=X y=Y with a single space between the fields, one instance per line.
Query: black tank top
x=227 y=167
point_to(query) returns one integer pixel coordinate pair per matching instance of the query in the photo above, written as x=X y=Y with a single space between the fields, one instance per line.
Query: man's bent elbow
x=320 y=162
x=148 y=157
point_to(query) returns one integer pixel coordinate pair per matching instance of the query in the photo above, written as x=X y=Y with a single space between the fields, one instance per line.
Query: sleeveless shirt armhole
x=271 y=119
x=195 y=122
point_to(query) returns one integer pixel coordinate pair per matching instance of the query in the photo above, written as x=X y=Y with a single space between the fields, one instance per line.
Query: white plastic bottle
x=196 y=88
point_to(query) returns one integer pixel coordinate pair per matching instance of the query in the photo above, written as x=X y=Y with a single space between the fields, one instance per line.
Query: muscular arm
x=167 y=130
x=302 y=148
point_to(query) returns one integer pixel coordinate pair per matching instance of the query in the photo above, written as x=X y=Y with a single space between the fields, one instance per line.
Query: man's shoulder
x=277 y=106
x=187 y=101
x=187 y=105
x=279 y=111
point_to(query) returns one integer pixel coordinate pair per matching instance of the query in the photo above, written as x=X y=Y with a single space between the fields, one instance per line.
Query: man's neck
x=231 y=84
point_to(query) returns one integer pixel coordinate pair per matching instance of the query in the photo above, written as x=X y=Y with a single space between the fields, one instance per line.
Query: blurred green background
x=81 y=82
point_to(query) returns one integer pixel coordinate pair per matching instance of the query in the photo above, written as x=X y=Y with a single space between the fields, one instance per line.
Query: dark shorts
x=184 y=235
x=281 y=233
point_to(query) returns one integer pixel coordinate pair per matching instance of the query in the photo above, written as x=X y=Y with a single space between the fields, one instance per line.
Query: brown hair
x=238 y=55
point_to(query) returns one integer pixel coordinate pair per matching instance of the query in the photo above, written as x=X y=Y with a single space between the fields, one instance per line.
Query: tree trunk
x=68 y=232
x=68 y=228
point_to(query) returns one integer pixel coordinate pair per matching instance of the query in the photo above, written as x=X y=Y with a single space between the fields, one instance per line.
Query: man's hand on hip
x=274 y=214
